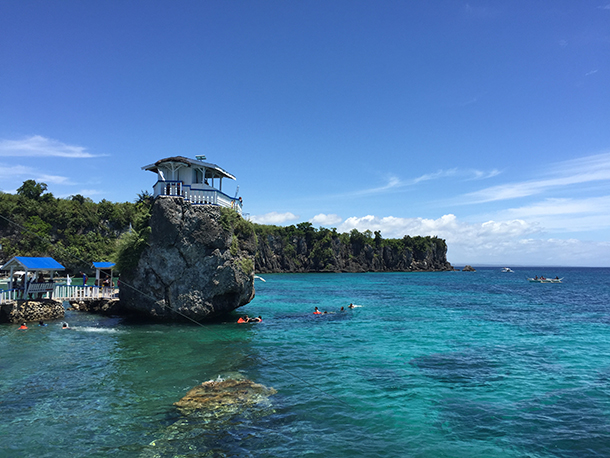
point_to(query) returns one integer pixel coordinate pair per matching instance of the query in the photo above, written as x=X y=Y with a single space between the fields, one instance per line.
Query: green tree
x=31 y=190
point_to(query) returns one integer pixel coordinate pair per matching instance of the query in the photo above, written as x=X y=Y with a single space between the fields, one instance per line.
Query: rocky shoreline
x=27 y=311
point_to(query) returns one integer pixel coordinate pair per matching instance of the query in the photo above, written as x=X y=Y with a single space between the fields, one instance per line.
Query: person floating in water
x=41 y=323
x=256 y=319
x=23 y=326
x=351 y=306
x=317 y=312
x=245 y=319
x=65 y=326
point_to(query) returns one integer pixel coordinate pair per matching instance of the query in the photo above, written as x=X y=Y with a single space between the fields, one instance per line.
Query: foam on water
x=93 y=329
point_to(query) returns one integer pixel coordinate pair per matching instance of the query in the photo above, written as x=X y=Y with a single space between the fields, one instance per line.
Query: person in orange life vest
x=23 y=326
x=244 y=319
x=317 y=312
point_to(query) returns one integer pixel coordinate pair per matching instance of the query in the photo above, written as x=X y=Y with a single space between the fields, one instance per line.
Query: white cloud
x=38 y=146
x=16 y=172
x=394 y=183
x=566 y=214
x=508 y=242
x=325 y=220
x=434 y=176
x=273 y=218
x=577 y=171
x=12 y=171
x=565 y=206
x=483 y=175
x=447 y=227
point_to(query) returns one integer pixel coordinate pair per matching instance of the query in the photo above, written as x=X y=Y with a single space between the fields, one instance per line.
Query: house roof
x=27 y=263
x=191 y=163
x=104 y=265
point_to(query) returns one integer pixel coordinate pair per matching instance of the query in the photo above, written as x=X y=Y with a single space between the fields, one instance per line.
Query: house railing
x=209 y=196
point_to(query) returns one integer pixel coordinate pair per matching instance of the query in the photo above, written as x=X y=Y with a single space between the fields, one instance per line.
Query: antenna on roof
x=236 y=191
x=200 y=157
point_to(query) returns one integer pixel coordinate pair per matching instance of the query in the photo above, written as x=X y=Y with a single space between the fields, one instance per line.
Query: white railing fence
x=62 y=292
x=196 y=196
x=75 y=292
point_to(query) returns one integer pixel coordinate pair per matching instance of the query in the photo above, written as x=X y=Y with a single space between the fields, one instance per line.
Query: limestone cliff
x=327 y=251
x=198 y=263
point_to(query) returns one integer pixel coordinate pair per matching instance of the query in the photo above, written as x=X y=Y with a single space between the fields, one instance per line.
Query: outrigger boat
x=544 y=280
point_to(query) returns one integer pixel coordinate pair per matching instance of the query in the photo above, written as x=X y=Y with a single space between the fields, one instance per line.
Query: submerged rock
x=223 y=397
x=210 y=412
x=468 y=269
x=199 y=263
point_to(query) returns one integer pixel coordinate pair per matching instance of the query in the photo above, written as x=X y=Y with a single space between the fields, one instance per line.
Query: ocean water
x=450 y=364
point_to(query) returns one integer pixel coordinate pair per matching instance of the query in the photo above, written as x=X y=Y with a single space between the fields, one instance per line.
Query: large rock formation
x=199 y=263
x=343 y=253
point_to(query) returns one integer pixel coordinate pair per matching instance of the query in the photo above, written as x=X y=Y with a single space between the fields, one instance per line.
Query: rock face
x=32 y=310
x=298 y=254
x=197 y=264
x=468 y=269
x=101 y=306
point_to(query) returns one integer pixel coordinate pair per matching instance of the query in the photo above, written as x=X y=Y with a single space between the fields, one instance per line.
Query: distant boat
x=507 y=269
x=544 y=280
x=259 y=278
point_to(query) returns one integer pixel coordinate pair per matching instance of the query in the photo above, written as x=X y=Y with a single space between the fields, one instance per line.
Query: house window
x=197 y=176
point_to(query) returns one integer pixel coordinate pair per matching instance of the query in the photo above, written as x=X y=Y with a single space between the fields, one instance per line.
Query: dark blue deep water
x=450 y=364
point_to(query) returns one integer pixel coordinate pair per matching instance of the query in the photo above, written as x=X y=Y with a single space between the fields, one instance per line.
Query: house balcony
x=196 y=194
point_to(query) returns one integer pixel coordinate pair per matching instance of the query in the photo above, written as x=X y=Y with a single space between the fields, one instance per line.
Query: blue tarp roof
x=103 y=265
x=26 y=263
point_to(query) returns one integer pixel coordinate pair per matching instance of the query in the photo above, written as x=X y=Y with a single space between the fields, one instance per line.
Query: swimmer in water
x=317 y=312
x=351 y=306
x=23 y=326
x=65 y=326
x=41 y=323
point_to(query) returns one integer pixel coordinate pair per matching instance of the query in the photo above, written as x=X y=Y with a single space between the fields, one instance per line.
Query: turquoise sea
x=451 y=364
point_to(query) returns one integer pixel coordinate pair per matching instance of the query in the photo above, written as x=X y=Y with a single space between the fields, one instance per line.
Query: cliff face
x=196 y=263
x=297 y=254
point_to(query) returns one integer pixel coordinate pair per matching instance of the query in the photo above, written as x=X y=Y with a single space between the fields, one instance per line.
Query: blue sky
x=485 y=123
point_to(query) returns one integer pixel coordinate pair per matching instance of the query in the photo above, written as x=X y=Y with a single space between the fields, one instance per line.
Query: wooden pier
x=62 y=292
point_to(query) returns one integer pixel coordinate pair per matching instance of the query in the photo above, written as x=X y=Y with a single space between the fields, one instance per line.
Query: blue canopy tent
x=106 y=269
x=37 y=266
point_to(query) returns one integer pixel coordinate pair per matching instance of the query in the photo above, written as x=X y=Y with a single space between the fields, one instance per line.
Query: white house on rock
x=193 y=180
